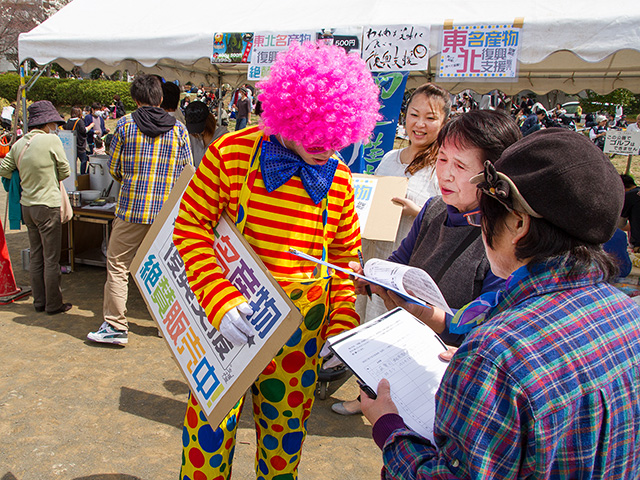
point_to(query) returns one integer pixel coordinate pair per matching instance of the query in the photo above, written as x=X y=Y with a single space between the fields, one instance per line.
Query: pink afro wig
x=320 y=97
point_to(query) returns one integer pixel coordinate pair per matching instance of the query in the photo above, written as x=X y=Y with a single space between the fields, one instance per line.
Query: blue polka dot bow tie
x=278 y=164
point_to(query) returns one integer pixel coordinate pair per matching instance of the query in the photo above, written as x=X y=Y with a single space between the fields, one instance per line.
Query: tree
x=629 y=101
x=18 y=16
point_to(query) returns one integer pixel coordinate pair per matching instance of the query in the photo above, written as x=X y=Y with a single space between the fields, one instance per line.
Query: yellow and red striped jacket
x=275 y=222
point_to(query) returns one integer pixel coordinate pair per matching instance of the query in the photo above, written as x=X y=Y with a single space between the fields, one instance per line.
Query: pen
x=367 y=287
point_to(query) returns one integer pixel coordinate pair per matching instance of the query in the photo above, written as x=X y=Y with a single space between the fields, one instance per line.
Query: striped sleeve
x=342 y=250
x=206 y=197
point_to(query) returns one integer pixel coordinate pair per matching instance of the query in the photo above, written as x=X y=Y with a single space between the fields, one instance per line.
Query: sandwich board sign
x=218 y=372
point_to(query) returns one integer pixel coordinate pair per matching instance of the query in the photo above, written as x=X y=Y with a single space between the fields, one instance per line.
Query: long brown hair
x=428 y=156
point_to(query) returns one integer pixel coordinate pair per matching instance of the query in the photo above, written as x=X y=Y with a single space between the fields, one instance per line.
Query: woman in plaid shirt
x=545 y=384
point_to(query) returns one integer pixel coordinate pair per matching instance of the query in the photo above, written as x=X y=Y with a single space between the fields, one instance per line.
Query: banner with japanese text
x=266 y=46
x=218 y=372
x=396 y=48
x=392 y=86
x=479 y=51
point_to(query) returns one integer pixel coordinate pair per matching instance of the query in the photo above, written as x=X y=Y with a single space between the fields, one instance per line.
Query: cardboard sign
x=379 y=216
x=622 y=142
x=479 y=51
x=217 y=372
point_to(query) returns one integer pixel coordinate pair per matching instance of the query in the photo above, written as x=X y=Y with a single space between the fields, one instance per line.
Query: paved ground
x=70 y=409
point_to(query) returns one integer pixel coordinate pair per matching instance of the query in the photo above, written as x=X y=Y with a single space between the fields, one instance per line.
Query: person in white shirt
x=634 y=127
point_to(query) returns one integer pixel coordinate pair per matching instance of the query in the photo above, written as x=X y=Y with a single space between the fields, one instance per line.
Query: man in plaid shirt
x=545 y=386
x=148 y=153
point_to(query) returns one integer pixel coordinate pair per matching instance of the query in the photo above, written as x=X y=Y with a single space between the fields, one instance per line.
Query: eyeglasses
x=314 y=150
x=474 y=218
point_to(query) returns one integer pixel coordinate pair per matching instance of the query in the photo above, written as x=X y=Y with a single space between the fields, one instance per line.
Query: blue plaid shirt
x=146 y=167
x=548 y=387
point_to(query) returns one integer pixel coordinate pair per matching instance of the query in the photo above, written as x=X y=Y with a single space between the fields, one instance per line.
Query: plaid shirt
x=546 y=388
x=146 y=167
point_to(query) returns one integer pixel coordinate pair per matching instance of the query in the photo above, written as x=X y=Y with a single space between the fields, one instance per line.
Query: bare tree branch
x=18 y=16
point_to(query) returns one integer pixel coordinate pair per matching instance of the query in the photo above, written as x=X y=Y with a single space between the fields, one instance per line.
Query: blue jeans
x=241 y=123
x=84 y=160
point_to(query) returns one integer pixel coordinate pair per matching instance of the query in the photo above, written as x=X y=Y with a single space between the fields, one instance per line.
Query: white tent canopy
x=568 y=46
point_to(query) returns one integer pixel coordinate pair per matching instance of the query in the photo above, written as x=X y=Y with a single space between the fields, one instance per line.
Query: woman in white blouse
x=427 y=110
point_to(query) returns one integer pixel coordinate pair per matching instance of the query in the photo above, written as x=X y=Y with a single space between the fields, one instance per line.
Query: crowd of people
x=544 y=354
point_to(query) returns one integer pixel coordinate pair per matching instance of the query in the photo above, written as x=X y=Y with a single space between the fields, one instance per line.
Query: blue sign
x=392 y=86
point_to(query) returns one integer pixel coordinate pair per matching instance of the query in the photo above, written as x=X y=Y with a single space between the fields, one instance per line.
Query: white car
x=571 y=108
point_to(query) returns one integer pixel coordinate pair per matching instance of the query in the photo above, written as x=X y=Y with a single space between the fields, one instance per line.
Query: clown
x=284 y=186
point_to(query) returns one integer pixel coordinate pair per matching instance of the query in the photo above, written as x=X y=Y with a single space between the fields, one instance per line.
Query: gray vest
x=462 y=281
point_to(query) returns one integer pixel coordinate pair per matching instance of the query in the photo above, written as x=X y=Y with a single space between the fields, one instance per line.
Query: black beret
x=566 y=180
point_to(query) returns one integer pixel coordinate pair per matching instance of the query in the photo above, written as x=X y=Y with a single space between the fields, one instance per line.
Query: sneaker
x=108 y=334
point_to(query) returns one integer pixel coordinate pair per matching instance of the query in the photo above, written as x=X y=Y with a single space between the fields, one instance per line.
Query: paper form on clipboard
x=399 y=347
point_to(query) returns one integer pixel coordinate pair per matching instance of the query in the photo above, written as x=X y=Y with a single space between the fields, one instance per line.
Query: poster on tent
x=232 y=47
x=479 y=51
x=622 y=142
x=266 y=46
x=217 y=371
x=347 y=37
x=395 y=48
x=392 y=86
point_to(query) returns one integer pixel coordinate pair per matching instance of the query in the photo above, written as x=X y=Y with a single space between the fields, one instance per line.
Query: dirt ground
x=72 y=409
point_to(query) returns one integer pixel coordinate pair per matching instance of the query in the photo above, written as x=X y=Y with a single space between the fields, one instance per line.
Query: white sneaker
x=108 y=334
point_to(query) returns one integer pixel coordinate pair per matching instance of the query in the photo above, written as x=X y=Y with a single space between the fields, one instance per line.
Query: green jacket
x=42 y=167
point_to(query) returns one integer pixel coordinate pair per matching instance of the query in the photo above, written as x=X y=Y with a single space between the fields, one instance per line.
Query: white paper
x=411 y=281
x=396 y=48
x=399 y=347
x=348 y=271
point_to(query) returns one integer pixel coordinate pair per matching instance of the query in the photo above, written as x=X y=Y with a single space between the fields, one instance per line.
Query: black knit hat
x=43 y=112
x=195 y=116
x=561 y=176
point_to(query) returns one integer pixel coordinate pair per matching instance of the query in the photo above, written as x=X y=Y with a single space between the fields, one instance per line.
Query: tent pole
x=22 y=92
x=219 y=115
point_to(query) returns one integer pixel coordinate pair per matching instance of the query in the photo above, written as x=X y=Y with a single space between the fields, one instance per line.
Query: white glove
x=333 y=361
x=234 y=325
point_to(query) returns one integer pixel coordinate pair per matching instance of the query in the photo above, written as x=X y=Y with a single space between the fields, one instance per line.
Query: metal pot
x=99 y=176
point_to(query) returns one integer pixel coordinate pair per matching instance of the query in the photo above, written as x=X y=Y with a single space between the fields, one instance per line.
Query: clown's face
x=312 y=156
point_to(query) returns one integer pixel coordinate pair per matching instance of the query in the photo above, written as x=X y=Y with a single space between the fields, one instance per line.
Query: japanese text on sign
x=489 y=51
x=622 y=143
x=364 y=189
x=396 y=48
x=210 y=362
x=266 y=46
